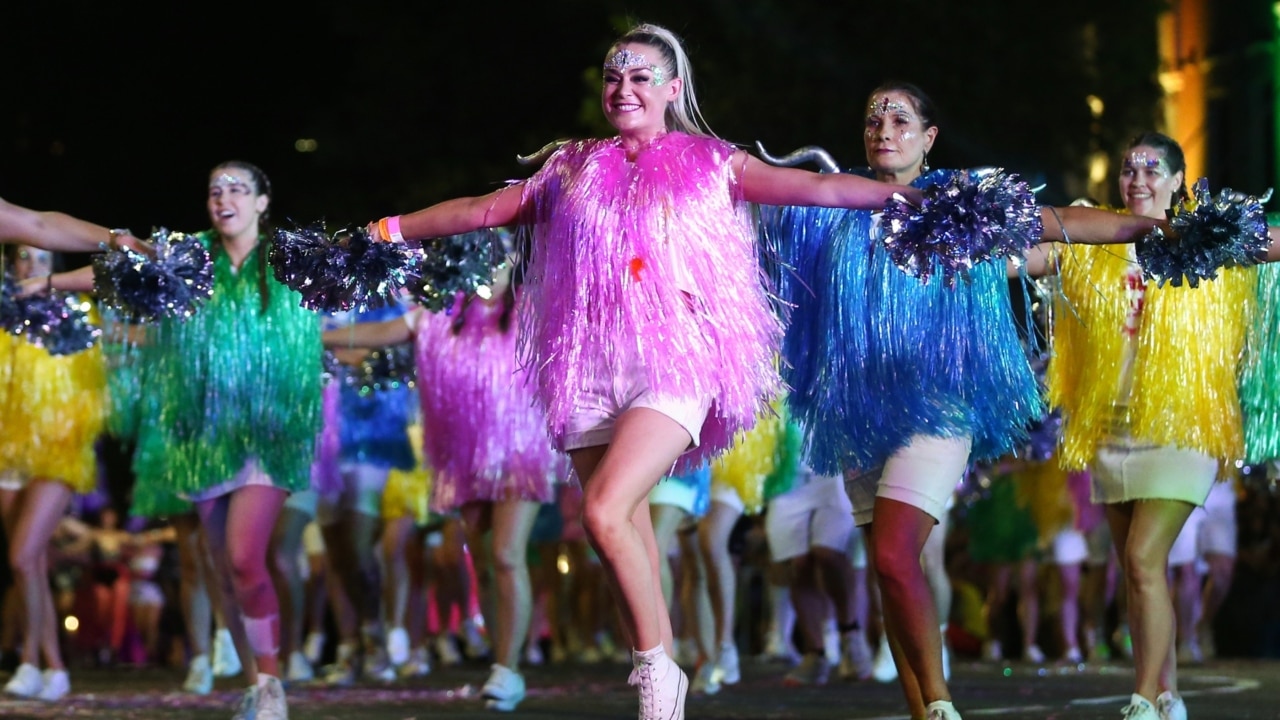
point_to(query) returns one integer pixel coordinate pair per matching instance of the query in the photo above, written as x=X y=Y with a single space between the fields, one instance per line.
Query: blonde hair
x=683 y=114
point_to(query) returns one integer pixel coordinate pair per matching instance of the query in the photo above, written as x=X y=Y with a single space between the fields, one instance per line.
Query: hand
x=34 y=286
x=125 y=239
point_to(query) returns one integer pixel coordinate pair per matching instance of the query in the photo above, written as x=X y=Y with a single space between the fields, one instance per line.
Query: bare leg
x=1144 y=532
x=697 y=598
x=897 y=538
x=713 y=542
x=193 y=594
x=40 y=508
x=286 y=574
x=1070 y=613
x=1028 y=604
x=617 y=479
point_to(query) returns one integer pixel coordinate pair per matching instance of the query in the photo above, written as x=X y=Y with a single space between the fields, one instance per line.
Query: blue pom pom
x=345 y=271
x=1208 y=233
x=961 y=223
x=173 y=282
x=456 y=264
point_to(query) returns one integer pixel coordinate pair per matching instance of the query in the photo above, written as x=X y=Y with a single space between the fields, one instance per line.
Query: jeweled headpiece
x=626 y=59
x=883 y=105
x=228 y=180
x=1143 y=160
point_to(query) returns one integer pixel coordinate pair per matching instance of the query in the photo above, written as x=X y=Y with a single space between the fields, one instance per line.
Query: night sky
x=116 y=114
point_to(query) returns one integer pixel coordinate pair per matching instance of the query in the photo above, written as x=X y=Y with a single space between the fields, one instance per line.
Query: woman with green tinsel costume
x=230 y=422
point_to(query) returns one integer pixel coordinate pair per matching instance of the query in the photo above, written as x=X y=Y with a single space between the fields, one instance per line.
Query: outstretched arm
x=457 y=216
x=1092 y=226
x=771 y=185
x=370 y=335
x=57 y=231
x=78 y=280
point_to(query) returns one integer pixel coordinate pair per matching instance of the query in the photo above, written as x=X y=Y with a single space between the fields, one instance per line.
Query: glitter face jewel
x=883 y=106
x=1143 y=161
x=229 y=181
x=626 y=59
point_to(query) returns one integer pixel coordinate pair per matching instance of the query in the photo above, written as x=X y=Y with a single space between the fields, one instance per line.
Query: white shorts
x=304 y=501
x=362 y=487
x=817 y=513
x=857 y=549
x=1128 y=469
x=618 y=389
x=1185 y=548
x=924 y=474
x=1218 y=534
x=728 y=496
x=673 y=492
x=1070 y=547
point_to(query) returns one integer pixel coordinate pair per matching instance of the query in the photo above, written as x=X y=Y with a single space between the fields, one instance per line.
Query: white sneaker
x=1033 y=654
x=884 y=670
x=728 y=669
x=662 y=685
x=476 y=646
x=1073 y=656
x=856 y=662
x=812 y=670
x=533 y=653
x=941 y=710
x=271 y=701
x=398 y=646
x=504 y=689
x=447 y=650
x=1139 y=708
x=26 y=681
x=775 y=650
x=226 y=661
x=57 y=684
x=247 y=709
x=199 y=676
x=299 y=670
x=418 y=664
x=831 y=643
x=1189 y=653
x=313 y=647
x=992 y=651
x=1171 y=707
x=704 y=680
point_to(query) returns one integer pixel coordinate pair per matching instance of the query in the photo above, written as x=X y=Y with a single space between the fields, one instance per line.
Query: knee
x=602 y=523
x=24 y=561
x=247 y=566
x=1145 y=573
x=507 y=560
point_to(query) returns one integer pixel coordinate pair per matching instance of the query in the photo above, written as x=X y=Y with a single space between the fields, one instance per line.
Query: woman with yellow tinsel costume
x=53 y=408
x=1145 y=377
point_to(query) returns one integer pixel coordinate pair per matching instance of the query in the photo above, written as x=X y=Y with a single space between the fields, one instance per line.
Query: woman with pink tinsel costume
x=645 y=322
x=487 y=443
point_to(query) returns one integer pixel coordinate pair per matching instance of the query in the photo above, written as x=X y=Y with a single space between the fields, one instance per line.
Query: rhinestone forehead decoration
x=1143 y=160
x=228 y=180
x=883 y=105
x=626 y=59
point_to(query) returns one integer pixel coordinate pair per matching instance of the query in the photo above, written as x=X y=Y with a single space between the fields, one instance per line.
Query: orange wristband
x=384 y=235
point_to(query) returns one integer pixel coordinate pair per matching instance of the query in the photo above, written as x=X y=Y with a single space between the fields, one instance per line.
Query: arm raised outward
x=770 y=185
x=370 y=334
x=57 y=231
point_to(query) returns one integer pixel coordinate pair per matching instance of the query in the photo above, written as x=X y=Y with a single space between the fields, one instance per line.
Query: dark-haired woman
x=900 y=382
x=1146 y=377
x=488 y=446
x=234 y=413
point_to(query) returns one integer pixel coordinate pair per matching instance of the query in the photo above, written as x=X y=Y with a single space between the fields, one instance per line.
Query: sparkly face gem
x=1142 y=160
x=881 y=106
x=227 y=181
x=627 y=59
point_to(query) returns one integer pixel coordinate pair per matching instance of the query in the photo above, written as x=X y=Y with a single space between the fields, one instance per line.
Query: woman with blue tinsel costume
x=900 y=380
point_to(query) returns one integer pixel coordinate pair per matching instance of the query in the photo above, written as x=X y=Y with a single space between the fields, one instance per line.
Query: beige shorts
x=1128 y=469
x=619 y=389
x=924 y=474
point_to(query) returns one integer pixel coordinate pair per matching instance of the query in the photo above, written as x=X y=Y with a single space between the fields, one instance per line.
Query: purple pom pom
x=456 y=264
x=345 y=271
x=960 y=223
x=172 y=283
x=57 y=322
x=1208 y=233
